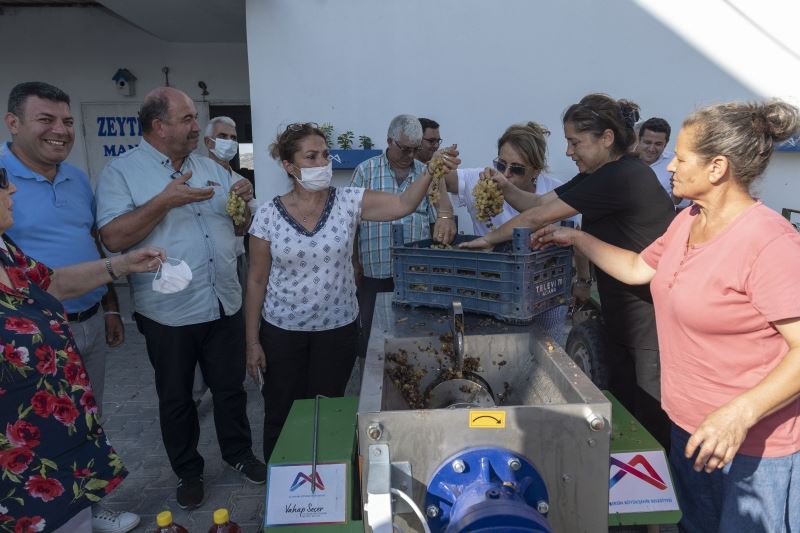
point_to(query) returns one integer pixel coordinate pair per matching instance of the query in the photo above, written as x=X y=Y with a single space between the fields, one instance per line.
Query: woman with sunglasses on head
x=52 y=441
x=300 y=308
x=621 y=201
x=727 y=300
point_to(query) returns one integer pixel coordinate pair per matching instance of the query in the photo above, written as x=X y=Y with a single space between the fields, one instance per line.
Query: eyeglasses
x=434 y=143
x=3 y=179
x=407 y=150
x=517 y=170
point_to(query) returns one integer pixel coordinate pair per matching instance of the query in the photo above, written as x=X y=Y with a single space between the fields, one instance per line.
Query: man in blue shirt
x=54 y=211
x=161 y=194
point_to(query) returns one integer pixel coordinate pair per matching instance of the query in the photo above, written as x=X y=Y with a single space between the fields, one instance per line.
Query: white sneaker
x=108 y=521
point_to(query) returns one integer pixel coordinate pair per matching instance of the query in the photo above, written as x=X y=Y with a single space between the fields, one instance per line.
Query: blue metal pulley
x=487 y=489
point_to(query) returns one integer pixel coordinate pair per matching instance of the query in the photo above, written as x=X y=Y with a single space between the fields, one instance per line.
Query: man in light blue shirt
x=54 y=211
x=161 y=194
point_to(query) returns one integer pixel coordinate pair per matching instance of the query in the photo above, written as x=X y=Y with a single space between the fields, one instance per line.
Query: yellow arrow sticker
x=487 y=419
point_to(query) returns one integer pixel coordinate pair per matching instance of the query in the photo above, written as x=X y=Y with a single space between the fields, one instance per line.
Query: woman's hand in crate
x=558 y=235
x=481 y=244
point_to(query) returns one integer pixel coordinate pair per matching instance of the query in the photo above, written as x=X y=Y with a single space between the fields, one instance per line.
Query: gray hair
x=744 y=132
x=407 y=125
x=218 y=120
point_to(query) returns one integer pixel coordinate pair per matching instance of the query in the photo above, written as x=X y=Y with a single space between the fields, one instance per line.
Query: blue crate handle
x=521 y=241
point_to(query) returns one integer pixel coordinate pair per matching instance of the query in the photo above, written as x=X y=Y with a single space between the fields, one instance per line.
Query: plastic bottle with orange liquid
x=223 y=523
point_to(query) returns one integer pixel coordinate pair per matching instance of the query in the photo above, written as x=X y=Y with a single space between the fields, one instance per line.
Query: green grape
x=488 y=199
x=437 y=170
x=235 y=207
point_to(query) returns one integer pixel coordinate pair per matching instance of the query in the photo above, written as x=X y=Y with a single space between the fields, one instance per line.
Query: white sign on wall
x=111 y=129
x=639 y=482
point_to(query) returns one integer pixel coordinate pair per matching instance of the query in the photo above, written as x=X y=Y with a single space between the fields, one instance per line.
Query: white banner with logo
x=639 y=482
x=290 y=499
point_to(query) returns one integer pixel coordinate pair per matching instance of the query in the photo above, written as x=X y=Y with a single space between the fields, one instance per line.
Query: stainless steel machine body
x=554 y=415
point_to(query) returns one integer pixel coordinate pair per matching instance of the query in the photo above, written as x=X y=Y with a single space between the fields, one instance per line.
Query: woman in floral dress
x=55 y=460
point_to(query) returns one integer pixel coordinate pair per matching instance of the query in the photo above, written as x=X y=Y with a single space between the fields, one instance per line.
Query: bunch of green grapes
x=488 y=199
x=437 y=170
x=235 y=208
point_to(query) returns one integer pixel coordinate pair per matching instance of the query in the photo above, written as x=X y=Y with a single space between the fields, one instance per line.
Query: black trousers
x=218 y=347
x=368 y=290
x=300 y=365
x=628 y=367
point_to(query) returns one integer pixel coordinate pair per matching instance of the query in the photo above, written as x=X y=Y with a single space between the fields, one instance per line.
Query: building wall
x=79 y=49
x=478 y=66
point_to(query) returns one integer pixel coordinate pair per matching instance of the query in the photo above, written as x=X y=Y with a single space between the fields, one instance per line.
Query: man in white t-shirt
x=651 y=148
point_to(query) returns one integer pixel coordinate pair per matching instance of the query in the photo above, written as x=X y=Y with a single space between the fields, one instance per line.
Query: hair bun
x=630 y=112
x=537 y=128
x=780 y=120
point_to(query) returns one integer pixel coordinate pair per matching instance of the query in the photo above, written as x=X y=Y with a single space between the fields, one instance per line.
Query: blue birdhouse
x=125 y=80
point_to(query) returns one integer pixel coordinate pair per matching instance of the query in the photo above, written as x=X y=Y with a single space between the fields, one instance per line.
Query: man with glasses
x=431 y=140
x=393 y=171
x=54 y=222
x=162 y=194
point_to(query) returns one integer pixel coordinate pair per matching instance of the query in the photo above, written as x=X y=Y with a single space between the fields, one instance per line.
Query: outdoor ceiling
x=45 y=3
x=182 y=21
x=186 y=21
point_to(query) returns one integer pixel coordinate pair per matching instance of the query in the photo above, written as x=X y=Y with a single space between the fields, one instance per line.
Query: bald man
x=162 y=194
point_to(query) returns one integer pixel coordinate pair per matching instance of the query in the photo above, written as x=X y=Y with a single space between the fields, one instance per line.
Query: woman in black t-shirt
x=622 y=203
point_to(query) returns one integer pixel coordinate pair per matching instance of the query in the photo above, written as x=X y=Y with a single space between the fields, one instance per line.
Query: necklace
x=314 y=202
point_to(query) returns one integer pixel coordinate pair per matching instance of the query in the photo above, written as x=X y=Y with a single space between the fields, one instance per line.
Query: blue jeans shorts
x=749 y=495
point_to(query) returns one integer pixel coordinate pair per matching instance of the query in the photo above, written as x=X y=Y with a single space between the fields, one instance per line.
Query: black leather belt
x=83 y=315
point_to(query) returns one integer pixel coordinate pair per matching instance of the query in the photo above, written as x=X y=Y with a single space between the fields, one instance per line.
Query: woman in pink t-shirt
x=724 y=279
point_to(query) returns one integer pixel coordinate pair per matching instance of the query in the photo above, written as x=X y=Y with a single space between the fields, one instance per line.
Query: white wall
x=477 y=66
x=79 y=50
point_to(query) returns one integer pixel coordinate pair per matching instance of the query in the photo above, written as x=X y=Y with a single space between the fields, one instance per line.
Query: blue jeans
x=749 y=495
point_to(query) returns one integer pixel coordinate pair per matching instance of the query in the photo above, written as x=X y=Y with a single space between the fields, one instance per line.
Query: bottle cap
x=221 y=516
x=164 y=518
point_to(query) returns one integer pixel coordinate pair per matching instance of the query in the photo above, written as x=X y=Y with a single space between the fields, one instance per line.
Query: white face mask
x=225 y=149
x=174 y=278
x=316 y=178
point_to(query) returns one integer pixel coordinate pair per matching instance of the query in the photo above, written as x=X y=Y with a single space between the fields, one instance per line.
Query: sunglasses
x=3 y=179
x=299 y=126
x=517 y=170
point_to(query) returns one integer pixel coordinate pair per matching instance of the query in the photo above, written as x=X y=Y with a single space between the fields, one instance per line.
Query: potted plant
x=346 y=156
x=365 y=142
x=327 y=130
x=345 y=140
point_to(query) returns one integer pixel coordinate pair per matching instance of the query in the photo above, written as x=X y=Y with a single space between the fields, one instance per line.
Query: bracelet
x=444 y=217
x=586 y=283
x=112 y=313
x=110 y=270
